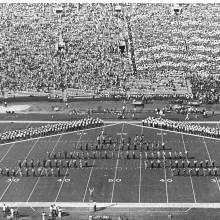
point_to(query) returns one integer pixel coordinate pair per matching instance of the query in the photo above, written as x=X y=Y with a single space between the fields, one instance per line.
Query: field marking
x=87 y=185
x=55 y=145
x=10 y=148
x=7 y=152
x=113 y=188
x=165 y=170
x=178 y=132
x=81 y=134
x=90 y=173
x=38 y=179
x=115 y=206
x=210 y=160
x=54 y=135
x=187 y=210
x=6 y=189
x=31 y=149
x=61 y=185
x=194 y=195
x=139 y=185
x=24 y=159
x=33 y=189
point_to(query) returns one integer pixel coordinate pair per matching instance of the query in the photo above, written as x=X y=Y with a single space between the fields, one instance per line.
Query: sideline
x=113 y=205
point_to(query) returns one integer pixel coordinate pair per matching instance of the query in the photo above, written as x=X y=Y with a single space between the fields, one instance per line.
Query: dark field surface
x=114 y=180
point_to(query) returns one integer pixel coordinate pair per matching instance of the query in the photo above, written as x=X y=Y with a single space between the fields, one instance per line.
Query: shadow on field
x=103 y=208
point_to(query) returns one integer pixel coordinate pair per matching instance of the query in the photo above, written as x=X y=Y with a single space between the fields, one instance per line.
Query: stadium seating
x=46 y=47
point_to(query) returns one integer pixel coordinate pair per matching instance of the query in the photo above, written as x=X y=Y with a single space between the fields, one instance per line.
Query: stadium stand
x=99 y=49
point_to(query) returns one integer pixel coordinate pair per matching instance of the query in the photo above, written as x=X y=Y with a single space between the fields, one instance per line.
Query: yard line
x=31 y=149
x=6 y=189
x=24 y=159
x=33 y=189
x=61 y=185
x=194 y=195
x=7 y=152
x=210 y=160
x=55 y=145
x=113 y=188
x=38 y=179
x=87 y=185
x=90 y=174
x=139 y=197
x=10 y=149
x=165 y=171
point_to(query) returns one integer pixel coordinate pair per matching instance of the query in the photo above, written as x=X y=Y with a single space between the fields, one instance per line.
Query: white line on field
x=217 y=182
x=165 y=171
x=10 y=149
x=87 y=185
x=194 y=195
x=90 y=174
x=139 y=192
x=61 y=185
x=33 y=189
x=113 y=188
x=38 y=179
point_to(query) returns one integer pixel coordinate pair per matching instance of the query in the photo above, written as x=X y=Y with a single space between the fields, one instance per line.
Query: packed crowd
x=206 y=88
x=43 y=47
x=182 y=126
x=46 y=46
x=49 y=129
x=184 y=44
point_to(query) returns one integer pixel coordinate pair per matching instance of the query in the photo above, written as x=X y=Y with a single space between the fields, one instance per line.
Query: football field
x=119 y=181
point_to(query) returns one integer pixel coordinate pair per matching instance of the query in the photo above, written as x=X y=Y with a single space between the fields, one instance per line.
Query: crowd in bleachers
x=33 y=34
x=182 y=126
x=183 y=44
x=206 y=89
x=44 y=46
x=49 y=129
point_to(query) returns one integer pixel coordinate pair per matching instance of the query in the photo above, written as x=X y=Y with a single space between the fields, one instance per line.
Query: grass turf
x=114 y=180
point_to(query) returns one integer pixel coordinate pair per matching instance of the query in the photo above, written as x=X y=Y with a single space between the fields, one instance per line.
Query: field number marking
x=168 y=180
x=112 y=180
x=66 y=180
x=15 y=180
